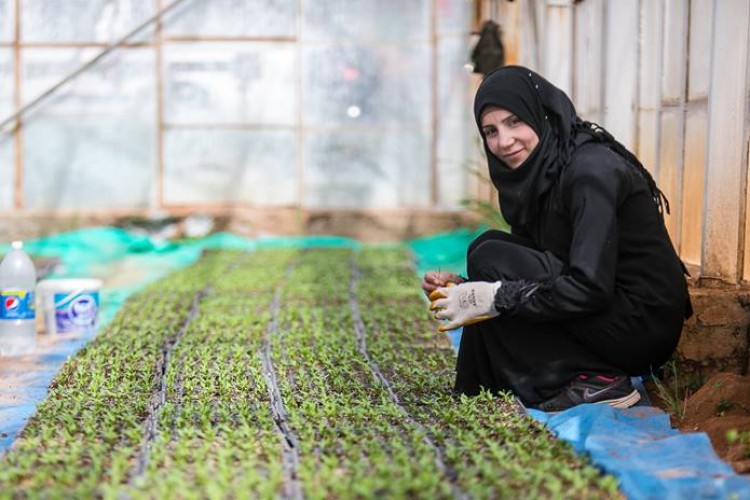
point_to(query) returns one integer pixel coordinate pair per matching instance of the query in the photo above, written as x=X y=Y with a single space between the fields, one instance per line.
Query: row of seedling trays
x=288 y=373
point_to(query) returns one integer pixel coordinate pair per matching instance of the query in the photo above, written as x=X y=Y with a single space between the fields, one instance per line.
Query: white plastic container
x=17 y=306
x=71 y=306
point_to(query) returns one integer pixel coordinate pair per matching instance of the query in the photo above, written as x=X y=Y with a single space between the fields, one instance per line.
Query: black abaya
x=590 y=280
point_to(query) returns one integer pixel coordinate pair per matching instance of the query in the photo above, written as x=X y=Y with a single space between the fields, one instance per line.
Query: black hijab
x=551 y=114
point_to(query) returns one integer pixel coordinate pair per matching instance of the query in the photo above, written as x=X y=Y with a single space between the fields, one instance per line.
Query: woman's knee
x=478 y=259
x=492 y=234
x=499 y=259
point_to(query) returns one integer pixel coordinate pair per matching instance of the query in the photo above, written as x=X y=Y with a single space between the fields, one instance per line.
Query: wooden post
x=649 y=84
x=696 y=131
x=672 y=126
x=621 y=70
x=588 y=58
x=558 y=44
x=726 y=168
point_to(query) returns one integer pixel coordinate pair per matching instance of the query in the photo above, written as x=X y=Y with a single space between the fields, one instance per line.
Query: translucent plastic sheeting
x=227 y=166
x=94 y=129
x=385 y=20
x=7 y=169
x=7 y=66
x=231 y=83
x=89 y=21
x=455 y=148
x=7 y=145
x=233 y=18
x=363 y=84
x=350 y=168
x=7 y=16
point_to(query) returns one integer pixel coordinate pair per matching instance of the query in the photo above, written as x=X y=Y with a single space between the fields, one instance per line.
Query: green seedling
x=174 y=398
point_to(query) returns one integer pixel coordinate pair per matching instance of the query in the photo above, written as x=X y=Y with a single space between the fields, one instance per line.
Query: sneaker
x=616 y=391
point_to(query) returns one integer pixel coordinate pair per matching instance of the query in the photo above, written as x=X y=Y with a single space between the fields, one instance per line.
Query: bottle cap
x=16 y=245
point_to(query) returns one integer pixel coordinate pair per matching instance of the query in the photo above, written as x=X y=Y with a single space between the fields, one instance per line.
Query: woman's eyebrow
x=509 y=118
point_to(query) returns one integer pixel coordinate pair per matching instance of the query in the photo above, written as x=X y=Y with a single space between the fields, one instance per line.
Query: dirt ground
x=721 y=409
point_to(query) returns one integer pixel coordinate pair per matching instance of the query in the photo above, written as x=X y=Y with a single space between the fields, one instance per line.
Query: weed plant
x=675 y=388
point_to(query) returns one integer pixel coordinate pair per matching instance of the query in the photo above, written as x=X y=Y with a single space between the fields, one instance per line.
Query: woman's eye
x=513 y=121
x=490 y=132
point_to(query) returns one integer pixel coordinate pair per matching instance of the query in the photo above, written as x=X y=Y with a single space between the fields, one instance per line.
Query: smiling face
x=508 y=138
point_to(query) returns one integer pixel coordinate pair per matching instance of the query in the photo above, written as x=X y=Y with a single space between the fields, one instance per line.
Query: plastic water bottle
x=17 y=311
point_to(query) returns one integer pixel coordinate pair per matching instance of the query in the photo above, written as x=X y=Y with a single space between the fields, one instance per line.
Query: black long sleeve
x=605 y=230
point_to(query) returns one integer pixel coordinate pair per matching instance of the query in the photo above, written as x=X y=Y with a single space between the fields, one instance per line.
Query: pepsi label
x=17 y=304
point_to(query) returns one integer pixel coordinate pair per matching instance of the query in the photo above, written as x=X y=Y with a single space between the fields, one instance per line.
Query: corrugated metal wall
x=669 y=78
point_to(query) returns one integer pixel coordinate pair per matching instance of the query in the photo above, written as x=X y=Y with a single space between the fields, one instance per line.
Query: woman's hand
x=464 y=304
x=433 y=280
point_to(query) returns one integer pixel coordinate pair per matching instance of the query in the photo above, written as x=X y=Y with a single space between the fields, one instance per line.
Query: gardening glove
x=464 y=304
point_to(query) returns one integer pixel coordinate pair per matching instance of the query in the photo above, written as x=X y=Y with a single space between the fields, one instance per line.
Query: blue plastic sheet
x=649 y=458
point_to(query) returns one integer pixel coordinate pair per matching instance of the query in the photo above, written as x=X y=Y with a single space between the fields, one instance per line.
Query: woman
x=587 y=289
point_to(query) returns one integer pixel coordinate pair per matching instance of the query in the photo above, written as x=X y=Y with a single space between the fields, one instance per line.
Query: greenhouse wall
x=354 y=116
x=224 y=105
x=669 y=78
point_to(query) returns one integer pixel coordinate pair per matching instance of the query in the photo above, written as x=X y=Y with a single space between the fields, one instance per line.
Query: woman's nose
x=504 y=140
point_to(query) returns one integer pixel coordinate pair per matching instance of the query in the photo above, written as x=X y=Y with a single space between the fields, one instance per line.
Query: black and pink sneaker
x=616 y=390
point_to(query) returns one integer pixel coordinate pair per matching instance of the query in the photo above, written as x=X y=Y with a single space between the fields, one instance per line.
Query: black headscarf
x=551 y=114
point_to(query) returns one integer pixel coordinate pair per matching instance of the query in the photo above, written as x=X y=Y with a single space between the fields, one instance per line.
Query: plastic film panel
x=230 y=167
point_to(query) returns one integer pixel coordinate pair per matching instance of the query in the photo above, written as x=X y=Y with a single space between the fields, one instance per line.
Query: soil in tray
x=721 y=409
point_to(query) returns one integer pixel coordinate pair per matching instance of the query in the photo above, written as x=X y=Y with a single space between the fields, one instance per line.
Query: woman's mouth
x=513 y=155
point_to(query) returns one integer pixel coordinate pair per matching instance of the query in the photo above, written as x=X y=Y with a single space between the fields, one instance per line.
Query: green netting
x=127 y=261
x=134 y=259
x=89 y=252
x=444 y=251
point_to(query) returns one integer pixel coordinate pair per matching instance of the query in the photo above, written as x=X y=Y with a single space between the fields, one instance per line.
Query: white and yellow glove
x=464 y=304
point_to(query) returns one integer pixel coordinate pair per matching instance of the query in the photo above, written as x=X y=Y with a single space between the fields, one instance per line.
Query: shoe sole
x=621 y=402
x=624 y=401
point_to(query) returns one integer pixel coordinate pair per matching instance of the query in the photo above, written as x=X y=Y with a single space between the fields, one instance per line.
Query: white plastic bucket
x=71 y=306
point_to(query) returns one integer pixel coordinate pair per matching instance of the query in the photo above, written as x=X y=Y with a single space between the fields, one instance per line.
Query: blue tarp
x=650 y=459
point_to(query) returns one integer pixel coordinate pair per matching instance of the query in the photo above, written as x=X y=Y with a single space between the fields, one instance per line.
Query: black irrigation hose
x=290 y=455
x=158 y=399
x=360 y=332
x=179 y=392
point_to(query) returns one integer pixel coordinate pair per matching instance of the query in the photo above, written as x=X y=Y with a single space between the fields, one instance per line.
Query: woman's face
x=508 y=138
